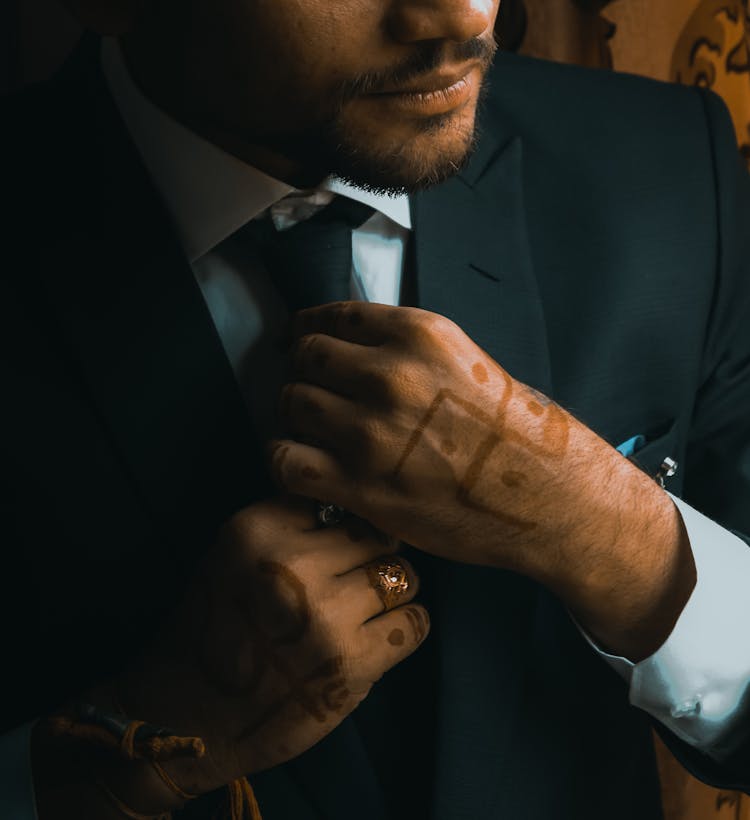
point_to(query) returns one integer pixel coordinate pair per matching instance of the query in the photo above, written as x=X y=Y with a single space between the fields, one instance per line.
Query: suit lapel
x=142 y=343
x=473 y=264
x=137 y=330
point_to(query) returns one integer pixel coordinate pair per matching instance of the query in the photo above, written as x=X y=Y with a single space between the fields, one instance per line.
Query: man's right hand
x=281 y=635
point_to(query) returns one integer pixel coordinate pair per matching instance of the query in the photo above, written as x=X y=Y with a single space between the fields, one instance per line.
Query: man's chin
x=431 y=157
x=392 y=161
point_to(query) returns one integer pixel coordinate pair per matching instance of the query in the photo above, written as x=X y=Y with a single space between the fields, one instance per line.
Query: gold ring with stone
x=390 y=580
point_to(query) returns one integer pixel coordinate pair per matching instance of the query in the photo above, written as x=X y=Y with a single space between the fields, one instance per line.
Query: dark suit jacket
x=596 y=246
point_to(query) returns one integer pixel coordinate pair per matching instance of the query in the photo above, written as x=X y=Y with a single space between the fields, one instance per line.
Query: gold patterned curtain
x=696 y=42
x=703 y=42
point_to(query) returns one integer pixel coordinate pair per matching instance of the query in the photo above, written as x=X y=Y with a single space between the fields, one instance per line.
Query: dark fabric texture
x=596 y=246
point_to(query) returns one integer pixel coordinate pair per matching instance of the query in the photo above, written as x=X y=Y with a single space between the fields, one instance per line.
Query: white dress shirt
x=694 y=683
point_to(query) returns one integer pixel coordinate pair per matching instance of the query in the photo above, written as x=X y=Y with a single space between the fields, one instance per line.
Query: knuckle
x=248 y=525
x=433 y=327
x=286 y=398
x=278 y=463
x=441 y=325
x=308 y=341
x=298 y=562
x=385 y=383
x=264 y=528
x=409 y=317
x=349 y=313
x=369 y=372
x=368 y=433
x=427 y=321
x=276 y=450
x=304 y=348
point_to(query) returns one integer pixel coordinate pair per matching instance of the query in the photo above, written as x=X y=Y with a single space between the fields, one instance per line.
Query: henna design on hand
x=448 y=447
x=553 y=445
x=513 y=478
x=479 y=372
x=335 y=693
x=278 y=455
x=418 y=622
x=318 y=703
x=396 y=637
x=318 y=692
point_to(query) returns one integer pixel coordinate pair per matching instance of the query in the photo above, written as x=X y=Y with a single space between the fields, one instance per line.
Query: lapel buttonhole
x=482 y=272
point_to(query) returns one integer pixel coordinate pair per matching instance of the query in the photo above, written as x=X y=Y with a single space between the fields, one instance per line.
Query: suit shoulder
x=582 y=106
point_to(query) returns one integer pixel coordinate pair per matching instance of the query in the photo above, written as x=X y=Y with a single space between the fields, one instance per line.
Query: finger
x=284 y=513
x=315 y=415
x=350 y=545
x=366 y=593
x=364 y=323
x=301 y=469
x=343 y=367
x=391 y=637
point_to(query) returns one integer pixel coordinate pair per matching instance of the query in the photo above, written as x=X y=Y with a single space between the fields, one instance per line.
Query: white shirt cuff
x=16 y=785
x=698 y=682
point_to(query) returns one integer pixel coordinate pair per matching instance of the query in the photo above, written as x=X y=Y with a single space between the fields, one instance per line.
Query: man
x=578 y=288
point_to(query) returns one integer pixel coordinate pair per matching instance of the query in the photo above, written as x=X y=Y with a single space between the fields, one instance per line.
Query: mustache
x=430 y=56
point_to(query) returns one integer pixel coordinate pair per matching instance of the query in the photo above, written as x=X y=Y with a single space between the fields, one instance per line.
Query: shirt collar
x=209 y=193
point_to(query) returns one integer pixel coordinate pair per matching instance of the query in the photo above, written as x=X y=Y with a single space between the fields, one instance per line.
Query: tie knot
x=351 y=213
x=311 y=262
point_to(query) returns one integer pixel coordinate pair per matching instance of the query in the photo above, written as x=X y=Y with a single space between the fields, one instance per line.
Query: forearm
x=623 y=564
x=640 y=581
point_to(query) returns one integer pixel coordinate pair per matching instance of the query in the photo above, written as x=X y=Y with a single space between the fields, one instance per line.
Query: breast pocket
x=651 y=457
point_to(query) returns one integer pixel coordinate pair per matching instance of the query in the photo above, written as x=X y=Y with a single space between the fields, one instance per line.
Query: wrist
x=629 y=568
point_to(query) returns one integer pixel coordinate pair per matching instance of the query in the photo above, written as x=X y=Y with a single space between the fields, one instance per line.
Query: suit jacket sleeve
x=717 y=477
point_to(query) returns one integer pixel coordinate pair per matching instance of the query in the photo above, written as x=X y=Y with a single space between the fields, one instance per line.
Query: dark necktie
x=311 y=262
x=311 y=265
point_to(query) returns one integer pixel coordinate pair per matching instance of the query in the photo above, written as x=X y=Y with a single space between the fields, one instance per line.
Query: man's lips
x=432 y=95
x=437 y=81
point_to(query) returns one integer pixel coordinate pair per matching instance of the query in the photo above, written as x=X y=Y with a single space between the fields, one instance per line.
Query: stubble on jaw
x=405 y=169
x=420 y=162
x=438 y=147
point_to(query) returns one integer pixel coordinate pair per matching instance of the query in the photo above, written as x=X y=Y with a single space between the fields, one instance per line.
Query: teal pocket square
x=632 y=445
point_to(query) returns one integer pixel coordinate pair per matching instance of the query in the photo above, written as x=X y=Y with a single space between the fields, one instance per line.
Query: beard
x=411 y=166
x=357 y=153
x=396 y=168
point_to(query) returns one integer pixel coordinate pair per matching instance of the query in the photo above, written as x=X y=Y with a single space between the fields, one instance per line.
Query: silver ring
x=329 y=515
